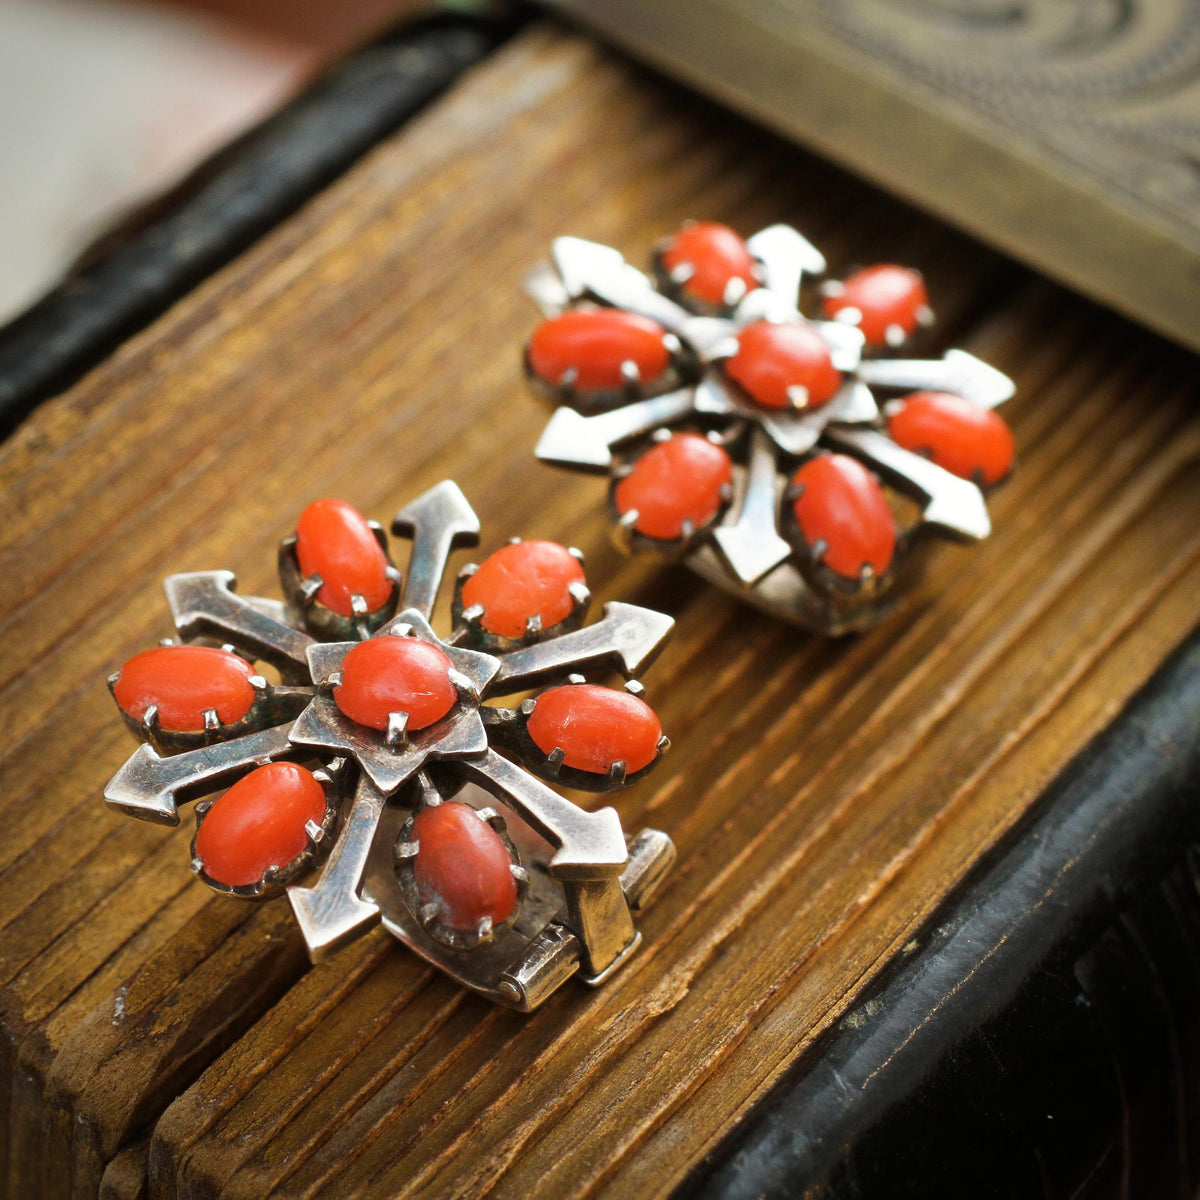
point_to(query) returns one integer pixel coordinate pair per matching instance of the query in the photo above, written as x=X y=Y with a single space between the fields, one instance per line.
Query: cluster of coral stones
x=680 y=485
x=268 y=824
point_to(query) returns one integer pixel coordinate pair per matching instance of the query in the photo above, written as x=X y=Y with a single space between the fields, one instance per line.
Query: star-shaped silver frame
x=579 y=880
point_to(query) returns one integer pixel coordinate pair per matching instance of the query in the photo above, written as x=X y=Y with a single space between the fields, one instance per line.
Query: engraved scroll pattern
x=1111 y=85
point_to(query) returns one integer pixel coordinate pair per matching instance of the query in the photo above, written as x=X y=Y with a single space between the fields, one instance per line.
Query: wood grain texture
x=824 y=796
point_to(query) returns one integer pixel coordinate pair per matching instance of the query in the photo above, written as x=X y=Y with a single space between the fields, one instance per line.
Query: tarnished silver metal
x=204 y=605
x=437 y=521
x=151 y=787
x=752 y=546
x=577 y=880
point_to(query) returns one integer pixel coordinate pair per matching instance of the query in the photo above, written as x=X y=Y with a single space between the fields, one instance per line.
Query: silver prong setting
x=310 y=585
x=397 y=730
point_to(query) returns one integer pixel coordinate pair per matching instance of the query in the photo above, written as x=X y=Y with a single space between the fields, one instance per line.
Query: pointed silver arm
x=591 y=269
x=437 y=521
x=331 y=912
x=751 y=545
x=151 y=787
x=786 y=257
x=956 y=371
x=546 y=290
x=203 y=604
x=589 y=855
x=628 y=638
x=587 y=845
x=953 y=504
x=578 y=441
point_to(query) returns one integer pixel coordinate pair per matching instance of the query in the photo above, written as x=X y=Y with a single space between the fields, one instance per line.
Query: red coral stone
x=391 y=674
x=595 y=343
x=183 y=682
x=886 y=296
x=596 y=727
x=715 y=255
x=675 y=482
x=965 y=439
x=843 y=506
x=523 y=580
x=259 y=823
x=334 y=541
x=463 y=867
x=770 y=359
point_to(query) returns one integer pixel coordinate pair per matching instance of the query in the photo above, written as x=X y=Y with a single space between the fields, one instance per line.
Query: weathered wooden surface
x=823 y=796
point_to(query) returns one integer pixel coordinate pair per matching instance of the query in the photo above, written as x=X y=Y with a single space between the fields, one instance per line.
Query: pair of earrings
x=739 y=436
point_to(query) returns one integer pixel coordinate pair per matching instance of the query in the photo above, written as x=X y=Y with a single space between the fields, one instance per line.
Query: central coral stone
x=391 y=674
x=784 y=366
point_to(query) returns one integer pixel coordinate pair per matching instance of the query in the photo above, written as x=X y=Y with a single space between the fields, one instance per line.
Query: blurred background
x=104 y=104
